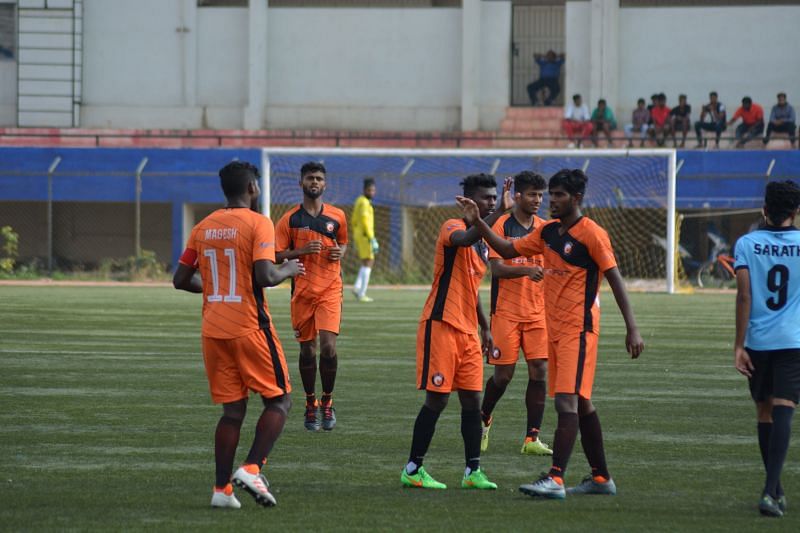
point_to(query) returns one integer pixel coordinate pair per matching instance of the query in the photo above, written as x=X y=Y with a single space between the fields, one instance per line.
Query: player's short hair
x=712 y=93
x=781 y=94
x=312 y=166
x=781 y=199
x=654 y=96
x=575 y=96
x=235 y=176
x=528 y=179
x=640 y=101
x=601 y=101
x=477 y=181
x=572 y=180
x=747 y=100
x=369 y=182
x=662 y=96
x=681 y=96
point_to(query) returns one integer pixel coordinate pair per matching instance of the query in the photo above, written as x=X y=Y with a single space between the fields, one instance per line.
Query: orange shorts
x=572 y=362
x=509 y=336
x=447 y=358
x=254 y=362
x=309 y=315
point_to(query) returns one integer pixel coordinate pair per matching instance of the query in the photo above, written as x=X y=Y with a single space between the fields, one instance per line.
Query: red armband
x=189 y=258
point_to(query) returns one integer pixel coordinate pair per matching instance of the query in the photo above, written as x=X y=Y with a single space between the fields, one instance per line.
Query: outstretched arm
x=269 y=275
x=471 y=215
x=504 y=271
x=741 y=358
x=633 y=340
x=473 y=235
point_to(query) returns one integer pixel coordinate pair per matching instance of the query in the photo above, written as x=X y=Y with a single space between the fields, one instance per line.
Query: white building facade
x=359 y=65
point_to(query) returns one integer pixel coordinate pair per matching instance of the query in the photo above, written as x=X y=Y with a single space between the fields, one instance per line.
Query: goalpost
x=631 y=193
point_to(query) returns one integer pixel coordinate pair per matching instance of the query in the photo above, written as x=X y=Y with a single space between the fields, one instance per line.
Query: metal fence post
x=50 y=172
x=137 y=232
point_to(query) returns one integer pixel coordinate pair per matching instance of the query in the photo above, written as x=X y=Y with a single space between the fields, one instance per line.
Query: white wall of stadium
x=168 y=64
x=737 y=51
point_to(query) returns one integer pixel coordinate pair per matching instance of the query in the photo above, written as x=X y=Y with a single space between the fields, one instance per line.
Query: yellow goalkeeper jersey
x=363 y=218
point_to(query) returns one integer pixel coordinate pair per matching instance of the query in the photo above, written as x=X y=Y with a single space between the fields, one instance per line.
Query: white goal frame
x=669 y=154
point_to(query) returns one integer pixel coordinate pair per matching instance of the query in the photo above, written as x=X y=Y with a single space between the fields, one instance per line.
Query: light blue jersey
x=772 y=255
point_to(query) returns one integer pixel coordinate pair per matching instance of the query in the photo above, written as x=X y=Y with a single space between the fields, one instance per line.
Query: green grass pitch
x=106 y=424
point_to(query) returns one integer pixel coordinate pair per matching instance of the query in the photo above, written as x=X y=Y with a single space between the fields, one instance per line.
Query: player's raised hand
x=293 y=267
x=507 y=200
x=469 y=208
x=312 y=247
x=335 y=252
x=742 y=361
x=537 y=273
x=634 y=343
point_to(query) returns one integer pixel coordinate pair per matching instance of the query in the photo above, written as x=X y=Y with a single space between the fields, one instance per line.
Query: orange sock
x=227 y=489
x=558 y=479
x=252 y=468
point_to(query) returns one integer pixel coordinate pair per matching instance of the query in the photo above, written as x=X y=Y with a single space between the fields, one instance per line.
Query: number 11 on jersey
x=231 y=297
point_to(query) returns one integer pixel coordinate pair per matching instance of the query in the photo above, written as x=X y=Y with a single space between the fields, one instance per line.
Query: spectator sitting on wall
x=639 y=122
x=577 y=121
x=752 y=125
x=712 y=118
x=603 y=120
x=782 y=119
x=653 y=103
x=549 y=74
x=659 y=115
x=679 y=116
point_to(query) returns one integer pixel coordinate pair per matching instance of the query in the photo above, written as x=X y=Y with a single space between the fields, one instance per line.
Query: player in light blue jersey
x=767 y=347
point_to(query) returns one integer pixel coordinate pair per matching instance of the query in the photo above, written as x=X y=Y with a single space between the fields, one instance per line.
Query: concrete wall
x=737 y=51
x=371 y=69
x=8 y=92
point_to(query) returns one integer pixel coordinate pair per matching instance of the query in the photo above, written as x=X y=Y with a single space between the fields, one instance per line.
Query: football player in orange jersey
x=233 y=249
x=317 y=232
x=517 y=315
x=577 y=254
x=449 y=350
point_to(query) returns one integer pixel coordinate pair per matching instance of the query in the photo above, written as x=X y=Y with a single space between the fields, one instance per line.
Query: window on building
x=8 y=32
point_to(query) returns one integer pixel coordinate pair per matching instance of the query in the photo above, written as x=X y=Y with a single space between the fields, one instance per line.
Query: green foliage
x=9 y=249
x=147 y=267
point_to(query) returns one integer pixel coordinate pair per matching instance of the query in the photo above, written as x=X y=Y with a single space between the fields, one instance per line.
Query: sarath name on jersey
x=777 y=250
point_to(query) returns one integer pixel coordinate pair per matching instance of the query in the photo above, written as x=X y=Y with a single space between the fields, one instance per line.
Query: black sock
x=268 y=429
x=327 y=373
x=534 y=402
x=308 y=374
x=226 y=439
x=490 y=398
x=471 y=432
x=592 y=442
x=564 y=440
x=778 y=446
x=764 y=429
x=424 y=427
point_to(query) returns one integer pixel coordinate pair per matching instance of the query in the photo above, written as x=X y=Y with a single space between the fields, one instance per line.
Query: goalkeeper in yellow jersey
x=363 y=228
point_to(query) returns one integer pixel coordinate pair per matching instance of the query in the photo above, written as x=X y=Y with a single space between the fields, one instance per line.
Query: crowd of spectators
x=659 y=123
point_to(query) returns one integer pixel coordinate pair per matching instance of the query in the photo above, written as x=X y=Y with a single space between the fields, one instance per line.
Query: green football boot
x=768 y=506
x=477 y=480
x=420 y=480
x=535 y=447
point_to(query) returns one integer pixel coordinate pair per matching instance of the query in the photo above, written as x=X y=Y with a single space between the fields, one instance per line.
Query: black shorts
x=776 y=374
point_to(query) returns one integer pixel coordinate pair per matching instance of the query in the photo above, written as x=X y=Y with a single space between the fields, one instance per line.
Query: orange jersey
x=457 y=273
x=223 y=247
x=518 y=299
x=574 y=264
x=297 y=228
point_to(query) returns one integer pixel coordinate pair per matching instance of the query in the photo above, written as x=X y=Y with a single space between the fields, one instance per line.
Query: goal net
x=630 y=193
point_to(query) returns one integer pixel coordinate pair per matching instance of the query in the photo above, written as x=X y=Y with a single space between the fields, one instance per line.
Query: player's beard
x=311 y=194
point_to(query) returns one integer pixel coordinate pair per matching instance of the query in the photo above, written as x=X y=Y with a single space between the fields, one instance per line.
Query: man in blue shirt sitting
x=549 y=74
x=767 y=345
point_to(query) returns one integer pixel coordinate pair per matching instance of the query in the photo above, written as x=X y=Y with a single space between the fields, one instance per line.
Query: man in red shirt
x=752 y=125
x=660 y=127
